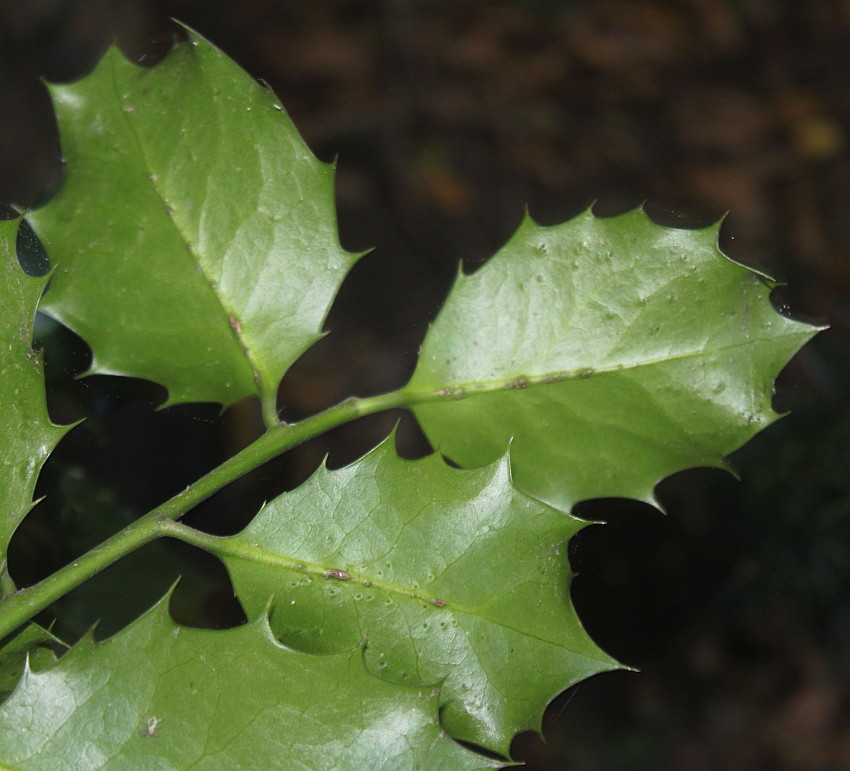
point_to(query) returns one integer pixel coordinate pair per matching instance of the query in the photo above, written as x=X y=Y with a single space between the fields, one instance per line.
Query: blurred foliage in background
x=448 y=118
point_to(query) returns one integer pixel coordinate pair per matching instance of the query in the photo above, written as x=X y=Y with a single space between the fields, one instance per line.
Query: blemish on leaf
x=520 y=382
x=235 y=325
x=342 y=575
x=587 y=372
x=151 y=727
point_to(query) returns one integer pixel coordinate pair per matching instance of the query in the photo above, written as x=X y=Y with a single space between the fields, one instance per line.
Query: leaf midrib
x=235 y=546
x=454 y=390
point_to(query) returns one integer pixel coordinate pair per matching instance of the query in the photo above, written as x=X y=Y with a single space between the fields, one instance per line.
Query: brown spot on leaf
x=342 y=575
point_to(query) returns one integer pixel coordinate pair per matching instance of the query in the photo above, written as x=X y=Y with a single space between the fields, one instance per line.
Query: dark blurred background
x=448 y=118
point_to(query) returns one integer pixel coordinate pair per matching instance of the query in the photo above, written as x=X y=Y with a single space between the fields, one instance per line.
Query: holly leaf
x=157 y=695
x=611 y=353
x=450 y=576
x=28 y=434
x=28 y=438
x=194 y=236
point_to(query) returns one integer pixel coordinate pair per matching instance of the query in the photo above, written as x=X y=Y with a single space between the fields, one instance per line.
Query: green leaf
x=450 y=576
x=194 y=236
x=612 y=352
x=162 y=696
x=28 y=646
x=25 y=427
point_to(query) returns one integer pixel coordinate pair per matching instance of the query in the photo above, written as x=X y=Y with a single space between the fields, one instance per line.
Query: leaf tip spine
x=527 y=219
x=588 y=211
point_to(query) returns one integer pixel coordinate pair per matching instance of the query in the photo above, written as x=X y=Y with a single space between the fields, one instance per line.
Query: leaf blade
x=226 y=224
x=611 y=353
x=29 y=436
x=450 y=576
x=158 y=695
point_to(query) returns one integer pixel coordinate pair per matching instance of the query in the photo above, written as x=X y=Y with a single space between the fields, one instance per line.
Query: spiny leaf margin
x=449 y=575
x=31 y=646
x=217 y=269
x=160 y=695
x=610 y=352
x=29 y=436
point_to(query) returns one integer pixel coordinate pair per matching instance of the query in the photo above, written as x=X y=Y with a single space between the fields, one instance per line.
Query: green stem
x=22 y=605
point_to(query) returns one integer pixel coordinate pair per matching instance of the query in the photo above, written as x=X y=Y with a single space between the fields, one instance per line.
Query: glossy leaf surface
x=28 y=436
x=612 y=352
x=450 y=576
x=162 y=696
x=194 y=235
